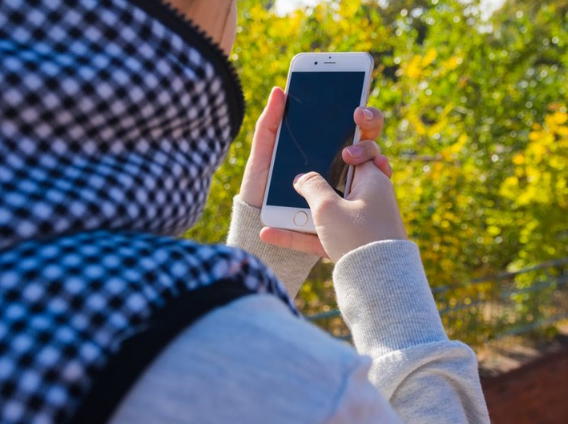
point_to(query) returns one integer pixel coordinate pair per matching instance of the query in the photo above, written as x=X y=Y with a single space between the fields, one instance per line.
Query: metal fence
x=528 y=303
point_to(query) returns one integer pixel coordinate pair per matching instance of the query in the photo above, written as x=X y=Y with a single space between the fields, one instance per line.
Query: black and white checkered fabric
x=114 y=114
x=67 y=304
x=109 y=119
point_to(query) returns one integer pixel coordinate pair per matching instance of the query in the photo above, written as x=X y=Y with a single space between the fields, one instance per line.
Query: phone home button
x=301 y=219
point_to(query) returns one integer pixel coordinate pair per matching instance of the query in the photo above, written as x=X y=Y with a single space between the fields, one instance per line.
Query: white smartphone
x=323 y=91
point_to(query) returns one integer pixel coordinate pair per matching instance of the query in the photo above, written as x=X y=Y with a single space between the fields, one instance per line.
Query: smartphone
x=323 y=91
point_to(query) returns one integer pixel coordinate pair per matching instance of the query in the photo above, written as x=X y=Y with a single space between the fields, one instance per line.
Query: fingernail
x=355 y=151
x=298 y=177
x=369 y=115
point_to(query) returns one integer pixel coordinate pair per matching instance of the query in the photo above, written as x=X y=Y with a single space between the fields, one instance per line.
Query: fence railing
x=526 y=303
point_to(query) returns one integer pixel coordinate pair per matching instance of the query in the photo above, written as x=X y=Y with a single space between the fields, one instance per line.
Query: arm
x=380 y=283
x=291 y=267
x=384 y=295
x=385 y=299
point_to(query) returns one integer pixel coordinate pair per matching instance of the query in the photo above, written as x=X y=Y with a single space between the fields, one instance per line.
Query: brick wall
x=536 y=393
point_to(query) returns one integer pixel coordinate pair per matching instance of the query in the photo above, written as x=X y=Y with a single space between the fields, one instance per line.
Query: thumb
x=317 y=192
x=268 y=123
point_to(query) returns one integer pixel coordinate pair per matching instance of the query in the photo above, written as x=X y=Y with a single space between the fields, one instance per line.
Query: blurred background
x=475 y=99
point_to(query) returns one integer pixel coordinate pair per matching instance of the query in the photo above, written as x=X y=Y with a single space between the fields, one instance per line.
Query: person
x=115 y=114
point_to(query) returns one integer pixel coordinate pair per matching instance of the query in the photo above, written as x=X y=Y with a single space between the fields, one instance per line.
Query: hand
x=369 y=214
x=365 y=155
x=258 y=165
x=370 y=122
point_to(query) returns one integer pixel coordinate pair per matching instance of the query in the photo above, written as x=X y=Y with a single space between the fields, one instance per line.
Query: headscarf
x=114 y=115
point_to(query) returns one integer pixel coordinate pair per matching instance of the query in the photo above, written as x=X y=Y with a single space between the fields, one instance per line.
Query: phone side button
x=300 y=219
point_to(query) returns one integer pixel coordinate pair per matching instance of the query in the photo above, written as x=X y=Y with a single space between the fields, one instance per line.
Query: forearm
x=291 y=267
x=385 y=299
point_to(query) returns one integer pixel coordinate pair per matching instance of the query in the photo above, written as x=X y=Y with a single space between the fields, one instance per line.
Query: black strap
x=137 y=352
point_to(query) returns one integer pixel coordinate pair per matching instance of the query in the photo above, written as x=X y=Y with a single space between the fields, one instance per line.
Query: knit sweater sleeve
x=291 y=267
x=385 y=299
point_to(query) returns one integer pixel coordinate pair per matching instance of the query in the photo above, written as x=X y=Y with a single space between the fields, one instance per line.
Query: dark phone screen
x=317 y=125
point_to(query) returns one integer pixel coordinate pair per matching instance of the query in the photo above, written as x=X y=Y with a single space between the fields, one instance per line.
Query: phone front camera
x=315 y=63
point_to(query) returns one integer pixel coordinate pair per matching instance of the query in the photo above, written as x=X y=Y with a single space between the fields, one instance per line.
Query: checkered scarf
x=114 y=114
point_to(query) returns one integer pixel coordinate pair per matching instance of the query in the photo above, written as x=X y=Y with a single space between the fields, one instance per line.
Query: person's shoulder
x=253 y=348
x=262 y=315
x=260 y=330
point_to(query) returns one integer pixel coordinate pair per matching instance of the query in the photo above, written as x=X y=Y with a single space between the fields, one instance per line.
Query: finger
x=306 y=243
x=361 y=152
x=367 y=151
x=370 y=120
x=258 y=164
x=268 y=123
x=382 y=162
x=366 y=179
x=317 y=192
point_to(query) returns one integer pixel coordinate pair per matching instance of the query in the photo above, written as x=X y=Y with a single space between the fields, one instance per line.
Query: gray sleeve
x=292 y=268
x=385 y=299
x=253 y=362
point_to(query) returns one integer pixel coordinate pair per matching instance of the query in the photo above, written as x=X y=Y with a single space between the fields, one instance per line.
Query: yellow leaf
x=452 y=63
x=562 y=131
x=538 y=151
x=508 y=189
x=430 y=57
x=418 y=125
x=493 y=230
x=560 y=118
x=414 y=69
x=519 y=159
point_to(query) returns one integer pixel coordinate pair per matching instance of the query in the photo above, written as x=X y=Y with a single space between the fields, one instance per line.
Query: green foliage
x=476 y=122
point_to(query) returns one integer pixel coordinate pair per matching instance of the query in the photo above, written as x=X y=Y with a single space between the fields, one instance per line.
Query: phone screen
x=317 y=125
